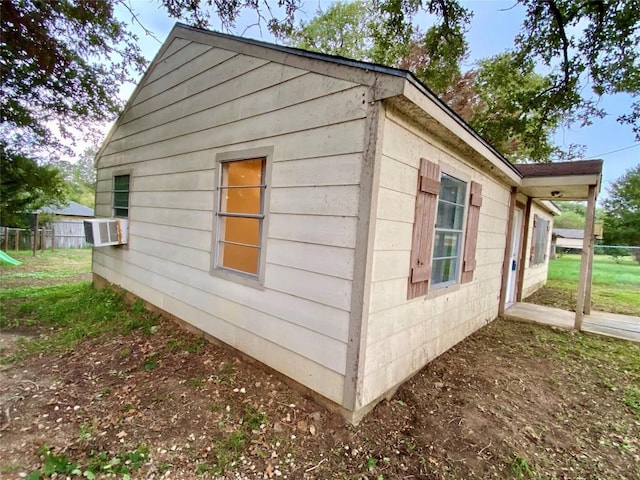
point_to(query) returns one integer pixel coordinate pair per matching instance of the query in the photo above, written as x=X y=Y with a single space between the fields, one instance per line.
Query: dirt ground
x=511 y=401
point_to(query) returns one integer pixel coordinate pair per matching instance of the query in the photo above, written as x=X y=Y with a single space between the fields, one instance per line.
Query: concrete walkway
x=610 y=324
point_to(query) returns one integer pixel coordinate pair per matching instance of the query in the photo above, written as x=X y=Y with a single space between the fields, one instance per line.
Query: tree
x=80 y=177
x=46 y=186
x=582 y=47
x=622 y=210
x=355 y=30
x=61 y=63
x=345 y=29
x=497 y=98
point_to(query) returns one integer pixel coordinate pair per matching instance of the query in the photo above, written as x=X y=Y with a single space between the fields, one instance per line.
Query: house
x=66 y=227
x=332 y=219
x=572 y=238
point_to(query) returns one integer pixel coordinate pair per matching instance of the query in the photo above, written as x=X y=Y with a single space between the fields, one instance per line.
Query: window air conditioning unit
x=102 y=232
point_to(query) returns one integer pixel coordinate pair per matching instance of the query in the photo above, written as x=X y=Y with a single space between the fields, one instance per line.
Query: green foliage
x=509 y=115
x=520 y=467
x=360 y=30
x=632 y=399
x=73 y=312
x=62 y=66
x=344 y=29
x=26 y=186
x=80 y=177
x=583 y=44
x=622 y=210
x=616 y=285
x=99 y=463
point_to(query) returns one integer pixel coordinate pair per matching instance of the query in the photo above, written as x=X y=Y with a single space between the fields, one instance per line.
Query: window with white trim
x=443 y=249
x=240 y=215
x=447 y=247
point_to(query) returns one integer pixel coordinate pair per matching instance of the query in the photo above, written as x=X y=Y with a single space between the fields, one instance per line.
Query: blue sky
x=493 y=27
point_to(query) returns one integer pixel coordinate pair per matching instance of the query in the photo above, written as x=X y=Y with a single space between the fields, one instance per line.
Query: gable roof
x=573 y=233
x=71 y=209
x=400 y=88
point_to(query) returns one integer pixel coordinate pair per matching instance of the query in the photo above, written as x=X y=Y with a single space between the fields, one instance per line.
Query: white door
x=514 y=258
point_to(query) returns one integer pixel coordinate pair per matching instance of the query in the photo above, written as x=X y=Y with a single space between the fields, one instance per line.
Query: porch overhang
x=575 y=181
x=561 y=181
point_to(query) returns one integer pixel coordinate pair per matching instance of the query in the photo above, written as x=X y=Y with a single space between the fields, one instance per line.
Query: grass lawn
x=616 y=284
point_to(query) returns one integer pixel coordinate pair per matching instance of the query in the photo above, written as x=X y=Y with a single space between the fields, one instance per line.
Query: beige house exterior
x=330 y=218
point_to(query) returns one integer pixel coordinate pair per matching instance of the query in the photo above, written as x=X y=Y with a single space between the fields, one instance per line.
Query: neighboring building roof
x=574 y=233
x=71 y=209
x=560 y=169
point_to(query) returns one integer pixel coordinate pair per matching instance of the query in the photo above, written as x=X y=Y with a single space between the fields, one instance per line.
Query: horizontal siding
x=206 y=58
x=323 y=171
x=171 y=62
x=183 y=200
x=337 y=201
x=229 y=67
x=309 y=115
x=305 y=313
x=324 y=259
x=180 y=181
x=404 y=335
x=295 y=337
x=337 y=139
x=168 y=139
x=298 y=91
x=259 y=76
x=273 y=353
x=332 y=231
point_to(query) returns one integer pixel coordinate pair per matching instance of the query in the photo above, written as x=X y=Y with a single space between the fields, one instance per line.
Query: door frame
x=513 y=276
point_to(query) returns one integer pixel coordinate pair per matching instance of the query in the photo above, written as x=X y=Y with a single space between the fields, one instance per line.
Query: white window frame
x=461 y=232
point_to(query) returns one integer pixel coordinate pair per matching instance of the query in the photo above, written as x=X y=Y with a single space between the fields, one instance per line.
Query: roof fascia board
x=550 y=181
x=429 y=103
x=384 y=85
x=173 y=34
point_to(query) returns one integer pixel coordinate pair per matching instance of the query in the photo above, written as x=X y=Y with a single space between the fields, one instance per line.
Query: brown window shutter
x=471 y=235
x=424 y=224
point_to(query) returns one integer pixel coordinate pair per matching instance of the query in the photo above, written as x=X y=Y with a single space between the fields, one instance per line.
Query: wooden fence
x=61 y=234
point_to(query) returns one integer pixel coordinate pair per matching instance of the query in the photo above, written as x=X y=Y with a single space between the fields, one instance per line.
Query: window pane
x=121 y=182
x=450 y=216
x=241 y=200
x=452 y=190
x=444 y=270
x=121 y=199
x=244 y=172
x=244 y=259
x=446 y=244
x=121 y=212
x=240 y=230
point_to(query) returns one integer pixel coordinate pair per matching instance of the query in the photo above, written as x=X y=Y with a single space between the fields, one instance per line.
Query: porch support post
x=506 y=265
x=592 y=252
x=586 y=265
